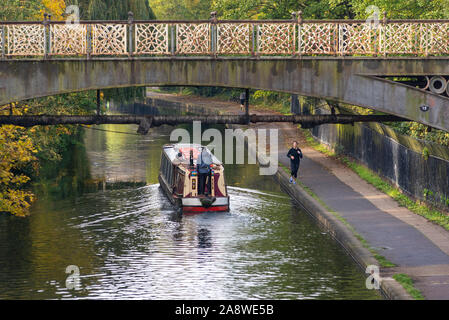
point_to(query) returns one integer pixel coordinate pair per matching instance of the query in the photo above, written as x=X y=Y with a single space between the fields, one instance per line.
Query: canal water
x=104 y=212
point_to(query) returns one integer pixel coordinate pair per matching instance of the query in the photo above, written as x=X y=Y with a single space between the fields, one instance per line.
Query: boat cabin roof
x=173 y=151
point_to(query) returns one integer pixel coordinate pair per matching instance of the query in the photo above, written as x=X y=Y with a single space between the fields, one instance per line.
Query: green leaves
x=330 y=9
x=23 y=150
x=282 y=9
x=15 y=10
x=403 y=9
x=118 y=9
x=181 y=9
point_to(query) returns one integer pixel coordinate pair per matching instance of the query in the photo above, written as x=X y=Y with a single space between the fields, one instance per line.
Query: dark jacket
x=297 y=153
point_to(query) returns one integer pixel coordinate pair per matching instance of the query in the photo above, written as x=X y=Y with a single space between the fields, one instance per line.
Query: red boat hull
x=198 y=210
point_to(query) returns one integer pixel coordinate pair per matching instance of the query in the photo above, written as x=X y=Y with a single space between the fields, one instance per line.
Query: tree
x=141 y=10
x=182 y=9
x=97 y=10
x=329 y=9
x=233 y=9
x=118 y=10
x=282 y=9
x=16 y=151
x=402 y=9
x=14 y=10
x=54 y=7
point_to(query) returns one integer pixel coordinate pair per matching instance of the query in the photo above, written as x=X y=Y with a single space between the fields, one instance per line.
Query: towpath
x=418 y=247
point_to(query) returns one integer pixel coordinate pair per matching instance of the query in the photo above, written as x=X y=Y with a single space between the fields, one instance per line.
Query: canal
x=105 y=213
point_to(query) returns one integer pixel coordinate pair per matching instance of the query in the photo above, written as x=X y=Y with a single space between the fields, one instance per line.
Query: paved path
x=419 y=248
x=398 y=241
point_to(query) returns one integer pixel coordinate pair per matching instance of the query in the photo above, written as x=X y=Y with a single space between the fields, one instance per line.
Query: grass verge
x=407 y=283
x=374 y=179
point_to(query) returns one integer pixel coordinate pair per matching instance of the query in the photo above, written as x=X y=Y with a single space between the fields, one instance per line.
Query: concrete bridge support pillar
x=306 y=105
x=295 y=107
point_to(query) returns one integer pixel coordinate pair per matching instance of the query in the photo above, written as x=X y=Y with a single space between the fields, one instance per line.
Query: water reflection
x=131 y=244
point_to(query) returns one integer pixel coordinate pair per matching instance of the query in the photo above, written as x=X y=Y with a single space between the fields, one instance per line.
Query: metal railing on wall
x=295 y=37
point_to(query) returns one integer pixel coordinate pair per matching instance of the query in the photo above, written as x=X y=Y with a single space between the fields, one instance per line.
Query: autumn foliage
x=54 y=7
x=16 y=151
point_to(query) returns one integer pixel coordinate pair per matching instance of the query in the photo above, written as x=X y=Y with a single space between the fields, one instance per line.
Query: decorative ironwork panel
x=318 y=38
x=271 y=38
x=193 y=38
x=357 y=39
x=26 y=40
x=276 y=38
x=151 y=39
x=400 y=38
x=68 y=39
x=109 y=39
x=234 y=38
x=434 y=38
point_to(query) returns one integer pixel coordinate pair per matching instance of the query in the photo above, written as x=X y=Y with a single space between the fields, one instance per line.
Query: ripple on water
x=131 y=244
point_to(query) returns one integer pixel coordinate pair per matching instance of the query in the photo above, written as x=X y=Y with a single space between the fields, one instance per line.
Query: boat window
x=167 y=169
x=164 y=166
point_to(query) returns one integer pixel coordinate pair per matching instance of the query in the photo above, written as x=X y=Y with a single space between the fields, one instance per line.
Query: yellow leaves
x=18 y=109
x=17 y=202
x=16 y=151
x=63 y=130
x=20 y=147
x=54 y=7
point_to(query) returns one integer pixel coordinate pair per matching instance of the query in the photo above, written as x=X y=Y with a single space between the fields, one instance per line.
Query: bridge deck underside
x=349 y=80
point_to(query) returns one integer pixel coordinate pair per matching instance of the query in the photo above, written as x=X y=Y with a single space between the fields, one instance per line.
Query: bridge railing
x=295 y=37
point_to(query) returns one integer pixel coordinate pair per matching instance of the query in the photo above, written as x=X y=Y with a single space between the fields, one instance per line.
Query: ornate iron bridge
x=295 y=37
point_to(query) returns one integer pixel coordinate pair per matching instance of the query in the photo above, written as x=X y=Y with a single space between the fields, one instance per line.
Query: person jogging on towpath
x=242 y=101
x=295 y=155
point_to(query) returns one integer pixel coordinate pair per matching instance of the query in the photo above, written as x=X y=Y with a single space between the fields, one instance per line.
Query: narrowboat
x=193 y=179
